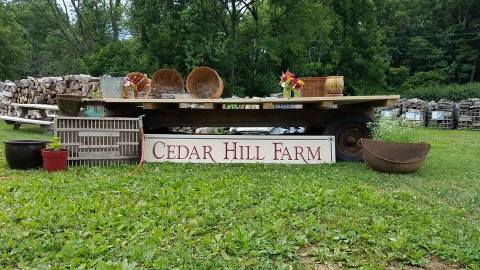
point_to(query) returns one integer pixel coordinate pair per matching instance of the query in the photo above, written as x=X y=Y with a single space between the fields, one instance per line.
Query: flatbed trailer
x=345 y=117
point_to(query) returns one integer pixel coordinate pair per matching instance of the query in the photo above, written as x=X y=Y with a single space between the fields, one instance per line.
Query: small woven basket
x=204 y=82
x=313 y=87
x=166 y=81
x=142 y=82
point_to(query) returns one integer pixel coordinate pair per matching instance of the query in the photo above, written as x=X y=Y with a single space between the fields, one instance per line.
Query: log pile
x=44 y=90
x=469 y=114
x=441 y=114
x=414 y=110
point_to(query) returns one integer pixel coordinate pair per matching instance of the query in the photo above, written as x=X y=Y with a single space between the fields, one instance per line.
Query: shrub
x=454 y=92
x=392 y=129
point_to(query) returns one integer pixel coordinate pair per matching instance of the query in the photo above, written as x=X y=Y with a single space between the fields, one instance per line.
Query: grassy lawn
x=244 y=216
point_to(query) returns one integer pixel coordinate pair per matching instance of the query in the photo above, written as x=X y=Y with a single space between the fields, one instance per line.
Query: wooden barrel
x=313 y=87
x=166 y=81
x=334 y=85
x=204 y=82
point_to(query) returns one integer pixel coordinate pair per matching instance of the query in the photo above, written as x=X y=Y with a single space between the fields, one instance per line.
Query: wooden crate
x=469 y=114
x=442 y=114
x=100 y=141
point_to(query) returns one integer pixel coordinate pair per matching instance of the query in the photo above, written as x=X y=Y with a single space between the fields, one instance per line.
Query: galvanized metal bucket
x=112 y=87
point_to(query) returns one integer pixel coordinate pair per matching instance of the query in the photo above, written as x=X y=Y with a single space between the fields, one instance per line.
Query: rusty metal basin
x=393 y=157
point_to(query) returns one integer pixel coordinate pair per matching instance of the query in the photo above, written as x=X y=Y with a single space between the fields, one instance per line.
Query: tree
x=13 y=46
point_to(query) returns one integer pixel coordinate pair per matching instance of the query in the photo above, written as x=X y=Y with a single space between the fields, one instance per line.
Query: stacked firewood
x=441 y=114
x=7 y=89
x=44 y=90
x=414 y=110
x=469 y=113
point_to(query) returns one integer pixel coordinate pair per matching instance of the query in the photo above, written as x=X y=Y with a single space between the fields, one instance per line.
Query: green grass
x=244 y=216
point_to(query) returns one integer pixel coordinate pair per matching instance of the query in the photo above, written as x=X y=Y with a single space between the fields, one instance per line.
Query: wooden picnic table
x=46 y=120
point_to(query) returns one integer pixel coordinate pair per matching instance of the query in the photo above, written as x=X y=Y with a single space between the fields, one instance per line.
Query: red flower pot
x=55 y=160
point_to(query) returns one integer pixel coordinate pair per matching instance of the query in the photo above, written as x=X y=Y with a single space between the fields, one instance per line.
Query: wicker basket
x=313 y=87
x=142 y=82
x=204 y=82
x=166 y=81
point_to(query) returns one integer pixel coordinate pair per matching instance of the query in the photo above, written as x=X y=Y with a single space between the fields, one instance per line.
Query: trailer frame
x=345 y=117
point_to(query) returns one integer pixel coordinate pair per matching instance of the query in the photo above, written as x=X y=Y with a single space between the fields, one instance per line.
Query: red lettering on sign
x=207 y=150
x=311 y=155
x=194 y=152
x=258 y=153
x=186 y=152
x=299 y=152
x=170 y=151
x=276 y=150
x=286 y=153
x=155 y=148
x=233 y=150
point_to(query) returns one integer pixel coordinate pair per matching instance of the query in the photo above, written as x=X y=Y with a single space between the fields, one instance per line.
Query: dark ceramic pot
x=24 y=154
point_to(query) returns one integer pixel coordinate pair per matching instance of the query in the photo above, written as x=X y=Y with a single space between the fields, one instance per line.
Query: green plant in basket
x=96 y=94
x=55 y=144
x=392 y=129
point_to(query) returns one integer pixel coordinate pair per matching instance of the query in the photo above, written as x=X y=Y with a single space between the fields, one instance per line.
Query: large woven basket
x=166 y=81
x=204 y=82
x=142 y=82
x=313 y=87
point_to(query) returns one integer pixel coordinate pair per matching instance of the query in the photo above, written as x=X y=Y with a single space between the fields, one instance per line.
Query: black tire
x=348 y=130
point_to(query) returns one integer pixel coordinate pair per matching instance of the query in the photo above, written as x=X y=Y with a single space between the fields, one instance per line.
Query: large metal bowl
x=393 y=157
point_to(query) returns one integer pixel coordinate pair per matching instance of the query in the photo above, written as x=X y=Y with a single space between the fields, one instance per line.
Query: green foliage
x=14 y=48
x=380 y=46
x=119 y=58
x=55 y=144
x=425 y=78
x=188 y=216
x=392 y=129
x=454 y=92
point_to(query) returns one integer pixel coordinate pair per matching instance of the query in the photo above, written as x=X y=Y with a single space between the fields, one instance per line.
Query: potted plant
x=55 y=156
x=94 y=107
x=395 y=148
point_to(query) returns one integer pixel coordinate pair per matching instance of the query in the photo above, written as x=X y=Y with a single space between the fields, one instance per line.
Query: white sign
x=387 y=114
x=438 y=115
x=414 y=116
x=239 y=149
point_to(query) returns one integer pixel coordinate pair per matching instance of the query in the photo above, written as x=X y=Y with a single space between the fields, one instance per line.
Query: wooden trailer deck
x=265 y=103
x=346 y=118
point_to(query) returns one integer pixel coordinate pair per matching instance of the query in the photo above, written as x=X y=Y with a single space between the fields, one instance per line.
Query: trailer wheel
x=348 y=131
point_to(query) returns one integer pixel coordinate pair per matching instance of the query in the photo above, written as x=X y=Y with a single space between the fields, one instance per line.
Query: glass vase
x=287 y=92
x=296 y=93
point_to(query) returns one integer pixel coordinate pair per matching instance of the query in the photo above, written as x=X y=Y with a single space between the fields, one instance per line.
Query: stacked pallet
x=469 y=114
x=44 y=90
x=414 y=110
x=441 y=114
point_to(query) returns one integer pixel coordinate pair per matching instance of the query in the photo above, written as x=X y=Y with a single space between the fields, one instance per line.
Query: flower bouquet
x=136 y=85
x=129 y=88
x=290 y=84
